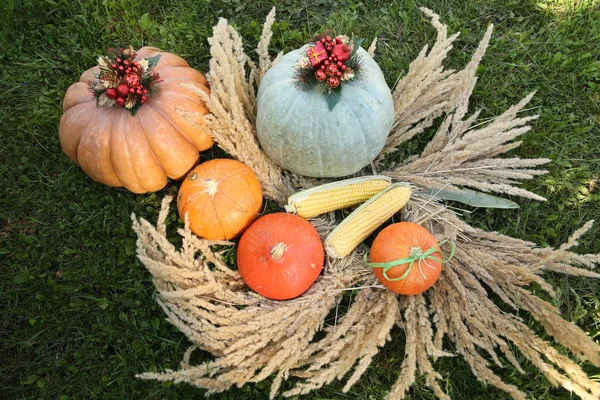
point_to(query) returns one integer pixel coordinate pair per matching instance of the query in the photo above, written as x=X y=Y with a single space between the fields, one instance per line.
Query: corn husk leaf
x=472 y=198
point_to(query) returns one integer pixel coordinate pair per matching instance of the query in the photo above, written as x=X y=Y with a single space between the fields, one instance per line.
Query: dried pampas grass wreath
x=253 y=338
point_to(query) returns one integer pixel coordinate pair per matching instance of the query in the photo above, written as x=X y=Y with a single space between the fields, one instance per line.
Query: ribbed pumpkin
x=280 y=256
x=407 y=240
x=221 y=197
x=298 y=131
x=138 y=152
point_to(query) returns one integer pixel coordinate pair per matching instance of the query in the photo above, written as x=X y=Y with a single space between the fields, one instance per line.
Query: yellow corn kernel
x=363 y=221
x=336 y=195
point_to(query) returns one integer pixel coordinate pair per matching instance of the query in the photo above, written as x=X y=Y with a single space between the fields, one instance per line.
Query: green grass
x=78 y=318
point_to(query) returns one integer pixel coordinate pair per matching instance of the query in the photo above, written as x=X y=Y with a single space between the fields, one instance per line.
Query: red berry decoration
x=111 y=93
x=328 y=58
x=121 y=77
x=132 y=80
x=320 y=75
x=333 y=82
x=123 y=90
x=331 y=70
x=342 y=52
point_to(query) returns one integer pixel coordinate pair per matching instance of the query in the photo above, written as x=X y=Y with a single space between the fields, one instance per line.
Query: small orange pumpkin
x=280 y=256
x=406 y=258
x=221 y=197
x=138 y=152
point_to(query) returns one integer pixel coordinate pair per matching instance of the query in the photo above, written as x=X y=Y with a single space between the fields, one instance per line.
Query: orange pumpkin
x=221 y=197
x=138 y=152
x=280 y=256
x=406 y=258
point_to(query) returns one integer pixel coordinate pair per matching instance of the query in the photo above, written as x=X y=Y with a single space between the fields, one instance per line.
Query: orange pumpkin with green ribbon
x=406 y=258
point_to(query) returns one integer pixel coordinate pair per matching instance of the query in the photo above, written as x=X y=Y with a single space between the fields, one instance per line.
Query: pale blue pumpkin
x=299 y=132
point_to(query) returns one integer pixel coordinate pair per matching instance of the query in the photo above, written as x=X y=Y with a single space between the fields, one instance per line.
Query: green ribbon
x=417 y=256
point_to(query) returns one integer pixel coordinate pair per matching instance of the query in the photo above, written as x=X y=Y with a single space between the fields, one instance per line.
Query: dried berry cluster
x=123 y=80
x=328 y=62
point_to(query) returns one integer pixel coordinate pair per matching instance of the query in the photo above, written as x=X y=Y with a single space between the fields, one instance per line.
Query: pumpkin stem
x=278 y=250
x=212 y=187
x=416 y=252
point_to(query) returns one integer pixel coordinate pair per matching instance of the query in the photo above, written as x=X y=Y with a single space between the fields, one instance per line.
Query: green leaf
x=134 y=109
x=333 y=97
x=22 y=277
x=472 y=198
x=103 y=304
x=152 y=61
x=357 y=44
x=144 y=22
x=30 y=379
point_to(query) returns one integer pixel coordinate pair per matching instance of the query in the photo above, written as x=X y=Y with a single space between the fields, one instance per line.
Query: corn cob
x=363 y=221
x=336 y=195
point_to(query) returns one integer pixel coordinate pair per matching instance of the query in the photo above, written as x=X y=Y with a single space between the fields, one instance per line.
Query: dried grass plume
x=253 y=338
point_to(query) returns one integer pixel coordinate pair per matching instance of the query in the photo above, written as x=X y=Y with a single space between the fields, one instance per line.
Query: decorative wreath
x=253 y=338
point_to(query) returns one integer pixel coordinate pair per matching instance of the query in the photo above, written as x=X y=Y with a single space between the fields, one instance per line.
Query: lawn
x=78 y=319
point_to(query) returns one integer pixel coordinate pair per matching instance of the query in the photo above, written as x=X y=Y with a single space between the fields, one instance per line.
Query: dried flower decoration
x=124 y=81
x=328 y=63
